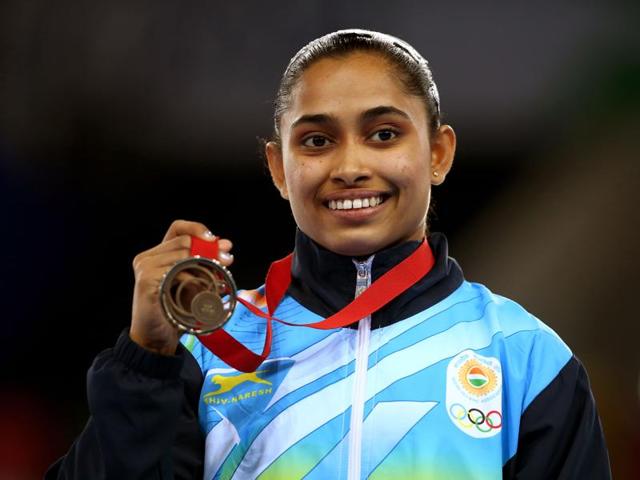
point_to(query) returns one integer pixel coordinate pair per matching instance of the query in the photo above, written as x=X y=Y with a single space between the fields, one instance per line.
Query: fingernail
x=227 y=257
x=208 y=235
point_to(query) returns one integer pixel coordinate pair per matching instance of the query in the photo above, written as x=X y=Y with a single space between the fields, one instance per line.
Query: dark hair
x=414 y=70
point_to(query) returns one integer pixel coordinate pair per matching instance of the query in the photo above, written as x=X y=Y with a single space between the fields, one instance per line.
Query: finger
x=161 y=260
x=225 y=244
x=182 y=242
x=185 y=227
x=225 y=258
x=149 y=283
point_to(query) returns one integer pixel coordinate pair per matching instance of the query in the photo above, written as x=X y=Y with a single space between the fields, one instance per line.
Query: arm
x=560 y=433
x=143 y=394
x=143 y=422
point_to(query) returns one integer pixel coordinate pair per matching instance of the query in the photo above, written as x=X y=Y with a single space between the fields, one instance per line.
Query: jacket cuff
x=146 y=362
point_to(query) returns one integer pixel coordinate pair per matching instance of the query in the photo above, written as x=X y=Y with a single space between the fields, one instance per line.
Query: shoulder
x=531 y=352
x=544 y=387
x=505 y=316
x=551 y=422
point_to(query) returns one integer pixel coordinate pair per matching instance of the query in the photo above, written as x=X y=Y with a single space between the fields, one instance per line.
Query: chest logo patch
x=225 y=388
x=474 y=394
x=228 y=383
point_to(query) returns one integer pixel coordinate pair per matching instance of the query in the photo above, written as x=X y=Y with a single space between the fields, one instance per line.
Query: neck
x=325 y=282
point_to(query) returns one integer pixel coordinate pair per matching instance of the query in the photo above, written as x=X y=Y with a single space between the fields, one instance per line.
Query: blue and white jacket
x=447 y=381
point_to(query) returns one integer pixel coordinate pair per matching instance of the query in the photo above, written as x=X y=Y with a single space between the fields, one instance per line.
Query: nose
x=351 y=166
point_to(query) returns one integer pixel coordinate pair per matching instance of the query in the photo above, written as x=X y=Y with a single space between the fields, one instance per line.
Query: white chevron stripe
x=220 y=441
x=327 y=355
x=305 y=416
x=312 y=363
x=389 y=422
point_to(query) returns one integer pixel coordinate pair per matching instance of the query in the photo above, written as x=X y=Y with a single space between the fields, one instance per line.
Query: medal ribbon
x=382 y=291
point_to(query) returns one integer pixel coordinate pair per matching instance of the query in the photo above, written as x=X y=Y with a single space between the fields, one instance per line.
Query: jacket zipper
x=363 y=280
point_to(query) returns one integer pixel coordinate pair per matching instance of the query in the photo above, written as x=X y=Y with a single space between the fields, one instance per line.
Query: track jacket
x=447 y=381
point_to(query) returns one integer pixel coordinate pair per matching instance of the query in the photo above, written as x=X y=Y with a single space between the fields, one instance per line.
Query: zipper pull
x=362 y=270
x=363 y=275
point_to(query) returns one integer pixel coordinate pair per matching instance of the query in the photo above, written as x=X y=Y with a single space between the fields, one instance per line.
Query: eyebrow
x=367 y=115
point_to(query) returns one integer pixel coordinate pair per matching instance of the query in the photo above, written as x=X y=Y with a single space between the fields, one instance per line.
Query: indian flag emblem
x=476 y=377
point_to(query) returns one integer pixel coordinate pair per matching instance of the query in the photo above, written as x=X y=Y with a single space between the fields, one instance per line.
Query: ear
x=276 y=168
x=443 y=149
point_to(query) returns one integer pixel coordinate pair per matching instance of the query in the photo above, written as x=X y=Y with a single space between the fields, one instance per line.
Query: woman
x=445 y=380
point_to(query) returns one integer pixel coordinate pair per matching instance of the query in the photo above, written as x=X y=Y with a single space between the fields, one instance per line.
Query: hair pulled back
x=414 y=71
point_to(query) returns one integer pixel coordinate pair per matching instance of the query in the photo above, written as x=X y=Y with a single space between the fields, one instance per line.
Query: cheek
x=408 y=173
x=302 y=178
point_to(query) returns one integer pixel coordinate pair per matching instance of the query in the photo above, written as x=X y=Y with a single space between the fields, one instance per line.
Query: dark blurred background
x=118 y=117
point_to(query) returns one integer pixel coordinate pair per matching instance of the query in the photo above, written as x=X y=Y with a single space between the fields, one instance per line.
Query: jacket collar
x=325 y=282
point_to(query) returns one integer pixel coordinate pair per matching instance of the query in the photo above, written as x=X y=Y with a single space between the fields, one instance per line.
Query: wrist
x=143 y=361
x=159 y=347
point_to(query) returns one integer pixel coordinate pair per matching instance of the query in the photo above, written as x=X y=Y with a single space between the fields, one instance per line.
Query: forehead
x=348 y=85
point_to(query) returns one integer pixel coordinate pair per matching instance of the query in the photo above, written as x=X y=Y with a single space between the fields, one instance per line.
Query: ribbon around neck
x=391 y=284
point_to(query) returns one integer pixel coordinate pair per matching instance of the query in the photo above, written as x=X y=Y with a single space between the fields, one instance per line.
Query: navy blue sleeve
x=144 y=422
x=560 y=434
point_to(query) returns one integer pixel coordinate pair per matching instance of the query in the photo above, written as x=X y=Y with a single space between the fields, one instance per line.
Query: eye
x=386 y=134
x=317 y=141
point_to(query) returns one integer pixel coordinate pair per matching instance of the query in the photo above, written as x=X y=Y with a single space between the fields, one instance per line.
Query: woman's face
x=356 y=160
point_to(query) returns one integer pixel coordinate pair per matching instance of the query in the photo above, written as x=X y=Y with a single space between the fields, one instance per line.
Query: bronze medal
x=198 y=295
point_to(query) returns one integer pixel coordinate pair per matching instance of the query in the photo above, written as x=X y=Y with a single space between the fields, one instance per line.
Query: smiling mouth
x=356 y=203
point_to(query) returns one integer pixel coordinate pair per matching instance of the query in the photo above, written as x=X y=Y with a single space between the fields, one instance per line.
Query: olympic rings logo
x=484 y=422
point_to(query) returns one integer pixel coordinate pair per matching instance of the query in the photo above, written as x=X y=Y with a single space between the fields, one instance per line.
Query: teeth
x=356 y=203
